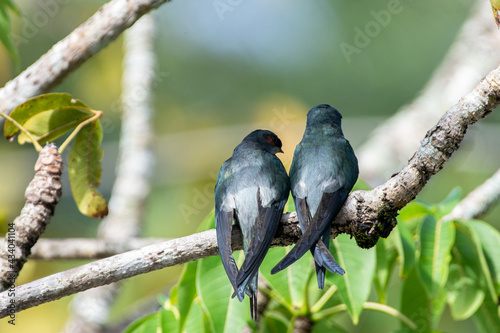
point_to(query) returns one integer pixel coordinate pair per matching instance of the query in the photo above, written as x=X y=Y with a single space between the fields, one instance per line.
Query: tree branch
x=42 y=195
x=473 y=53
x=367 y=215
x=72 y=51
x=477 y=202
x=84 y=248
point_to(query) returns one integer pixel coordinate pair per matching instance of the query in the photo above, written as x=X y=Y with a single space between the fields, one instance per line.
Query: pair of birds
x=252 y=189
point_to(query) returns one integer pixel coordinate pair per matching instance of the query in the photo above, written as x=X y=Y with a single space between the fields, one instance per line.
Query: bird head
x=324 y=114
x=265 y=140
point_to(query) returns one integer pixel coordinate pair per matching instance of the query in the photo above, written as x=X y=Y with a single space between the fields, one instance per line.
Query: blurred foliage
x=451 y=264
x=262 y=65
x=6 y=6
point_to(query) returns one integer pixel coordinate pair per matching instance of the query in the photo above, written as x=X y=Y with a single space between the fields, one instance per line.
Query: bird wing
x=328 y=208
x=224 y=217
x=224 y=226
x=267 y=223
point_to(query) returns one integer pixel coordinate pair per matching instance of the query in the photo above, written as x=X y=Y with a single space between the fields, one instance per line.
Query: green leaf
x=436 y=239
x=167 y=321
x=146 y=324
x=415 y=303
x=495 y=6
x=5 y=31
x=406 y=248
x=84 y=168
x=355 y=285
x=446 y=206
x=197 y=320
x=183 y=293
x=278 y=282
x=72 y=108
x=49 y=125
x=386 y=257
x=414 y=209
x=464 y=290
x=487 y=318
x=490 y=240
x=214 y=291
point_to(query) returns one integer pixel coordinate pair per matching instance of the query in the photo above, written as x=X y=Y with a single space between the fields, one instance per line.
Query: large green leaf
x=183 y=293
x=355 y=285
x=386 y=256
x=197 y=320
x=415 y=304
x=214 y=290
x=148 y=323
x=70 y=110
x=405 y=245
x=167 y=321
x=464 y=290
x=278 y=282
x=490 y=240
x=84 y=168
x=436 y=240
x=487 y=318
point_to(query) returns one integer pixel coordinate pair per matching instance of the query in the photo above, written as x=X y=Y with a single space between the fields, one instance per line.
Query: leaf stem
x=322 y=301
x=37 y=145
x=97 y=115
x=369 y=306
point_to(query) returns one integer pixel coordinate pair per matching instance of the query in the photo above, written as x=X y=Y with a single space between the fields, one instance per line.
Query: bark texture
x=42 y=195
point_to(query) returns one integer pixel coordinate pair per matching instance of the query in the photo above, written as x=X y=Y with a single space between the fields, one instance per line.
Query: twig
x=72 y=51
x=362 y=211
x=84 y=248
x=472 y=55
x=42 y=195
x=477 y=202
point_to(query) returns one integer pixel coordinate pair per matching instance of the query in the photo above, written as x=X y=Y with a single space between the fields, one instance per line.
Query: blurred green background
x=262 y=64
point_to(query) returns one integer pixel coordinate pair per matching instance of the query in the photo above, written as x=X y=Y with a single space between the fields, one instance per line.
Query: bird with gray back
x=251 y=190
x=323 y=172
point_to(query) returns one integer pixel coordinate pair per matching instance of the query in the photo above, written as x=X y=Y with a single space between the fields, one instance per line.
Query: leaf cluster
x=438 y=264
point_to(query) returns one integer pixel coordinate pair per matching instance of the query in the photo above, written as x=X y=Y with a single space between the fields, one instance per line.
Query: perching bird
x=251 y=190
x=323 y=172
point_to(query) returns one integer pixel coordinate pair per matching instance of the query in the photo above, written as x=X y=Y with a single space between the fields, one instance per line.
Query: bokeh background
x=259 y=64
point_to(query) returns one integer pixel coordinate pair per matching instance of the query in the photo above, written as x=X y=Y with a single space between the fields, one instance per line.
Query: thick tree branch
x=42 y=195
x=367 y=214
x=72 y=51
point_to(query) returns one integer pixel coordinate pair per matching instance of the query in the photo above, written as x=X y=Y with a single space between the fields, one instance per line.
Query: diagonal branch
x=72 y=51
x=477 y=202
x=367 y=215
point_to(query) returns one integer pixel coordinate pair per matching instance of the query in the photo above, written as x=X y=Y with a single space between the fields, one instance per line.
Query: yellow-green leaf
x=495 y=6
x=44 y=103
x=85 y=168
x=49 y=125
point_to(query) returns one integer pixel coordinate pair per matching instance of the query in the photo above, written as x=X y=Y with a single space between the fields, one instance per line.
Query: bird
x=324 y=169
x=252 y=189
